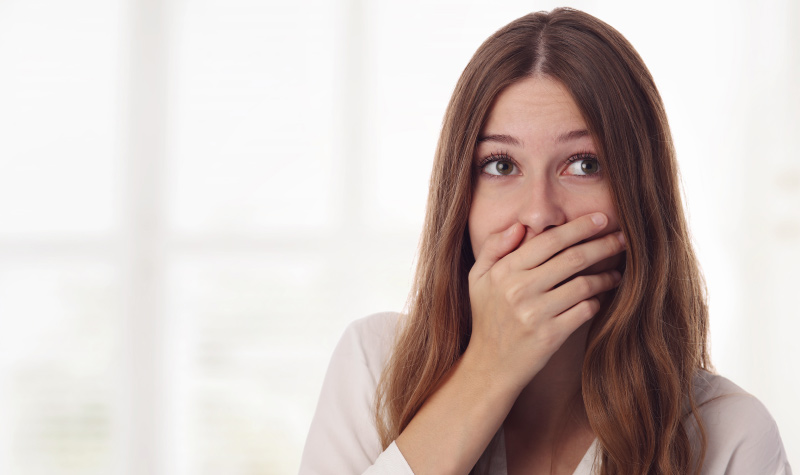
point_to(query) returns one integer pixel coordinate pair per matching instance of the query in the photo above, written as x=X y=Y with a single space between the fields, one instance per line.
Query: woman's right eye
x=500 y=167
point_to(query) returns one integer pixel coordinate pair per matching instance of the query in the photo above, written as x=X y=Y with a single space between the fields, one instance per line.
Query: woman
x=558 y=322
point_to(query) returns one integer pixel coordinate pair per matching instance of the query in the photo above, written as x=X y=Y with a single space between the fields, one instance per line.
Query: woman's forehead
x=535 y=107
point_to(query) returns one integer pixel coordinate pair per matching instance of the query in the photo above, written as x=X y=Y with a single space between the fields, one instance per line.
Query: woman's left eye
x=583 y=165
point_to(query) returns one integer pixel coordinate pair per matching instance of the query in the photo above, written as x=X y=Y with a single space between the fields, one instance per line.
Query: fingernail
x=599 y=219
x=621 y=238
x=616 y=276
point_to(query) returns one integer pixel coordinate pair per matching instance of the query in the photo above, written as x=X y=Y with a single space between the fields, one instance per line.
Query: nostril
x=549 y=227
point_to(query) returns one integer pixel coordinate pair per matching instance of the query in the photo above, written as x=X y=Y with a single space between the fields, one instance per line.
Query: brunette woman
x=558 y=322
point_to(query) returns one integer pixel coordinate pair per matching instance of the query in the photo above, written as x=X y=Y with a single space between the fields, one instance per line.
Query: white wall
x=197 y=196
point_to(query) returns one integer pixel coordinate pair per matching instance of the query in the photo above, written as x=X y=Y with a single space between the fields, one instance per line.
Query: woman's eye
x=583 y=166
x=500 y=167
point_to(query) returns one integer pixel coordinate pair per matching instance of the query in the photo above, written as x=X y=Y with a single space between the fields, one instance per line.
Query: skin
x=543 y=230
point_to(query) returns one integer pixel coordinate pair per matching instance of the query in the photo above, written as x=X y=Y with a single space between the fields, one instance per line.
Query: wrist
x=502 y=384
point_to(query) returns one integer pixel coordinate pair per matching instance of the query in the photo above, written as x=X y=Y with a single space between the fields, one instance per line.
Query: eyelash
x=586 y=156
x=494 y=157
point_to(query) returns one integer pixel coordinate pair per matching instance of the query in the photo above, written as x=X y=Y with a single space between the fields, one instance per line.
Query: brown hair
x=641 y=357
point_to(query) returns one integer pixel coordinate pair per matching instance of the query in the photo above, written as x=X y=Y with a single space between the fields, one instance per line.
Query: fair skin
x=544 y=232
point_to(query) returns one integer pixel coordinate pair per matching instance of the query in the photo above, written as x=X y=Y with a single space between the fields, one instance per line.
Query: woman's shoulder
x=378 y=325
x=717 y=397
x=370 y=339
x=739 y=429
x=342 y=437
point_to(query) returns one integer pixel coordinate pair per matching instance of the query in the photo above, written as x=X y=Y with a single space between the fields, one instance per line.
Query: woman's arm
x=513 y=336
x=521 y=316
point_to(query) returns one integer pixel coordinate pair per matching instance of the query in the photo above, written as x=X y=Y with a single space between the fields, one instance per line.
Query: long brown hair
x=641 y=357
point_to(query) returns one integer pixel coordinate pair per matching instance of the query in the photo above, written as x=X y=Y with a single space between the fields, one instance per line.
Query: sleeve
x=342 y=439
x=743 y=437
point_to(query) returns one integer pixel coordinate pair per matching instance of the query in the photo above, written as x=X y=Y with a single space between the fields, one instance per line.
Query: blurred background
x=196 y=198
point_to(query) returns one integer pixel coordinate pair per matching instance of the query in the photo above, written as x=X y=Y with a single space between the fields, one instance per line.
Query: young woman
x=558 y=321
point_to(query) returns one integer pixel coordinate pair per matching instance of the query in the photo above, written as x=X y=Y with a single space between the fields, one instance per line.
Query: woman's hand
x=520 y=316
x=520 y=313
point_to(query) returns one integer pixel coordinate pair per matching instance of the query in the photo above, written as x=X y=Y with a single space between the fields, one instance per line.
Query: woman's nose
x=541 y=209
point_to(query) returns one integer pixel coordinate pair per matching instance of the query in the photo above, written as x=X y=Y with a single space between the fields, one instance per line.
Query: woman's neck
x=547 y=430
x=554 y=394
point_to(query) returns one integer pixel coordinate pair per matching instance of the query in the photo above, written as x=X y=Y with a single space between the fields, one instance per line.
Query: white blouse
x=743 y=438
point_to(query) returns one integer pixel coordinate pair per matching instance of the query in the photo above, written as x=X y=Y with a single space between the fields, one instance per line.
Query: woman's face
x=537 y=165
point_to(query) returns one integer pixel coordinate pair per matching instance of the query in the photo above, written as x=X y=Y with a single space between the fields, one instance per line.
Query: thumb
x=496 y=247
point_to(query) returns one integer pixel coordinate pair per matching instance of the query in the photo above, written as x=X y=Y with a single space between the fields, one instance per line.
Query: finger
x=496 y=246
x=569 y=321
x=578 y=289
x=577 y=258
x=542 y=247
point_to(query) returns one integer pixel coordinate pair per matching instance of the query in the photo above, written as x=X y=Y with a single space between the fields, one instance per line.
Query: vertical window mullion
x=142 y=259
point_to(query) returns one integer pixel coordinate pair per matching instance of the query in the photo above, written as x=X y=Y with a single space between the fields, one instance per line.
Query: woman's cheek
x=478 y=224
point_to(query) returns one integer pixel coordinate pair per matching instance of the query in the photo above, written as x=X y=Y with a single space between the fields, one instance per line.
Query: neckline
x=499 y=463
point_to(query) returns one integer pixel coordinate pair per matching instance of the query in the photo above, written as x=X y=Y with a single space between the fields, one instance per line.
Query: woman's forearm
x=455 y=425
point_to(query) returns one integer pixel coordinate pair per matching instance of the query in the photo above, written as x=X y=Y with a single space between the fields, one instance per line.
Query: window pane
x=253 y=110
x=58 y=117
x=57 y=366
x=249 y=325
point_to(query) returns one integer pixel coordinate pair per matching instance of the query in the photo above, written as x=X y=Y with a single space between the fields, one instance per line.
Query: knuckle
x=589 y=308
x=526 y=319
x=533 y=315
x=583 y=285
x=574 y=257
x=513 y=294
x=614 y=246
x=550 y=241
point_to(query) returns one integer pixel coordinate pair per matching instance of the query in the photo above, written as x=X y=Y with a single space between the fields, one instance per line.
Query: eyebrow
x=573 y=135
x=505 y=139
x=510 y=140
